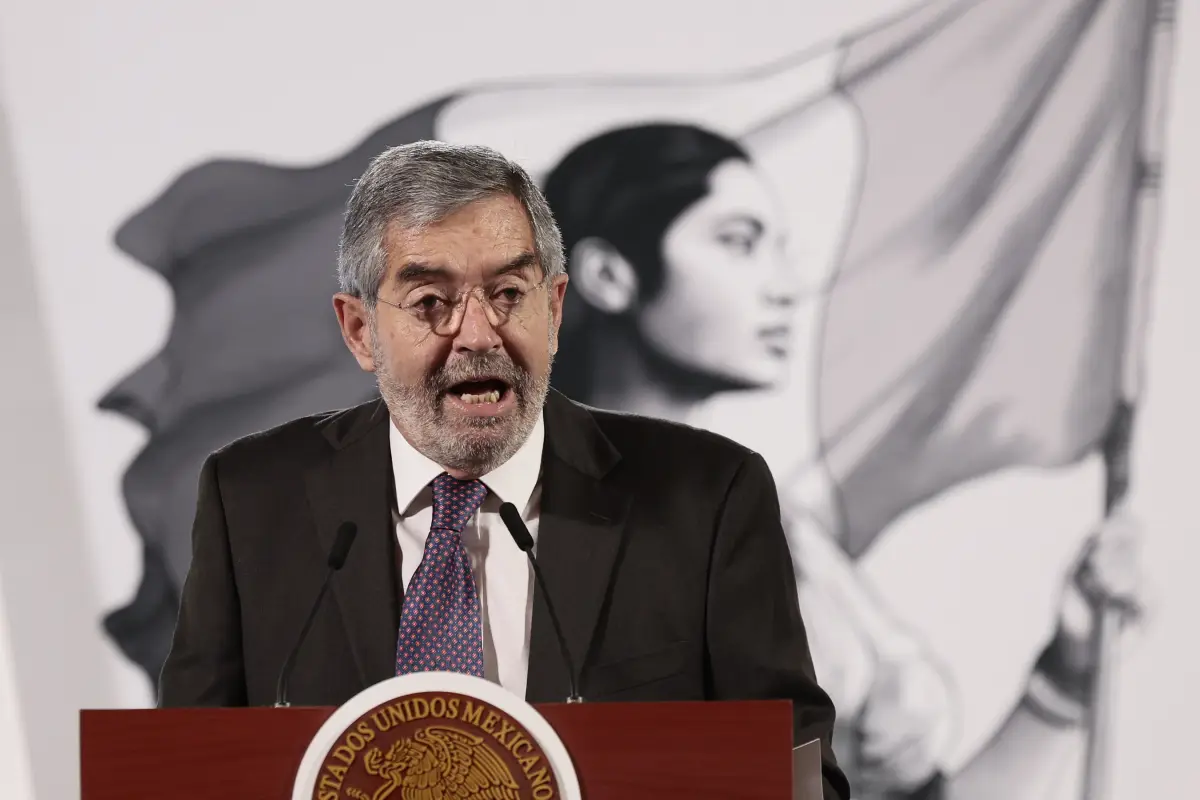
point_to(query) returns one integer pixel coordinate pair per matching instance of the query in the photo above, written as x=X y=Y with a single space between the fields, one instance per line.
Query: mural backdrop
x=911 y=263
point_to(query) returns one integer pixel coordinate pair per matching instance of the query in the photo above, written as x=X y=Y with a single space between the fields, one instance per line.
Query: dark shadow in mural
x=960 y=292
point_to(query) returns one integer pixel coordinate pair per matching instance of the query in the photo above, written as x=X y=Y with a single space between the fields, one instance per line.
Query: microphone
x=520 y=534
x=337 y=558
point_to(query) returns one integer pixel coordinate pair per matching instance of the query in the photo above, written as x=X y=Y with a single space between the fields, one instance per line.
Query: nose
x=783 y=288
x=476 y=333
x=779 y=296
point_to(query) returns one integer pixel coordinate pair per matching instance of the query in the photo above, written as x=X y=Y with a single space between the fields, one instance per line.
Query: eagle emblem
x=439 y=763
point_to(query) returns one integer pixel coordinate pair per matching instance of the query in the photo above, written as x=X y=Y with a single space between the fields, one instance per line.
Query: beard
x=472 y=446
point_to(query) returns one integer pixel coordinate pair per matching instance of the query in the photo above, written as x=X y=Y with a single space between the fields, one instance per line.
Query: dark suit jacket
x=661 y=544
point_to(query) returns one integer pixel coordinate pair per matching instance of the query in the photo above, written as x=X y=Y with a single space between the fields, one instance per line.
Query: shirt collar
x=512 y=482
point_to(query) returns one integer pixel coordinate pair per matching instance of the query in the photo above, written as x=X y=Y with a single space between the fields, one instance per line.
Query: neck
x=629 y=379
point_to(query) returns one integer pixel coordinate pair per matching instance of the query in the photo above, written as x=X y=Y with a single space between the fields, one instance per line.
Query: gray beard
x=483 y=443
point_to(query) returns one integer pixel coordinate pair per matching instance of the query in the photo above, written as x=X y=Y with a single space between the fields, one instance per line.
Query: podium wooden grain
x=621 y=751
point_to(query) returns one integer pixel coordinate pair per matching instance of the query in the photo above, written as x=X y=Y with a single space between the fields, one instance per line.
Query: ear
x=558 y=292
x=603 y=277
x=356 y=328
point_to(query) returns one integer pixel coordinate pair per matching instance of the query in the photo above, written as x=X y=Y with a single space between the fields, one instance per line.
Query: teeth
x=487 y=397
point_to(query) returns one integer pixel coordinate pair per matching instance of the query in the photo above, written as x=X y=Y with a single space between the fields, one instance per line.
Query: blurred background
x=949 y=300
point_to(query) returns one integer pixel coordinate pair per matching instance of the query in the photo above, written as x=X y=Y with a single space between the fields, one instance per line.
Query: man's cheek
x=522 y=349
x=431 y=376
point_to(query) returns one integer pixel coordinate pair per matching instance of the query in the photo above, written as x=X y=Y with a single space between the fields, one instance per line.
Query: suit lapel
x=581 y=525
x=354 y=484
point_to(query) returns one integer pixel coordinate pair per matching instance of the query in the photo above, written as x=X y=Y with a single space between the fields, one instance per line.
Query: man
x=661 y=544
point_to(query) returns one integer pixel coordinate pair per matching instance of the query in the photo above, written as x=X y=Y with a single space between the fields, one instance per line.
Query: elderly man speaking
x=661 y=545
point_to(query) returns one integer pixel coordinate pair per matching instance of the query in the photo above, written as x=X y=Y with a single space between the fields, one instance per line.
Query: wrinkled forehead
x=475 y=243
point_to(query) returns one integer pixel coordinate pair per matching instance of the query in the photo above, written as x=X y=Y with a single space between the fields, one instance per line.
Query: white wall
x=50 y=644
x=16 y=783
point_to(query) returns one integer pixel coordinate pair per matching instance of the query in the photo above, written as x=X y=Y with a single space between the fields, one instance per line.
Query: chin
x=482 y=440
x=484 y=432
x=477 y=452
x=765 y=372
x=751 y=379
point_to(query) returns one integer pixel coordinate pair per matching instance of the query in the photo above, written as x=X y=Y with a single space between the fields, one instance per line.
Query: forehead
x=737 y=187
x=479 y=237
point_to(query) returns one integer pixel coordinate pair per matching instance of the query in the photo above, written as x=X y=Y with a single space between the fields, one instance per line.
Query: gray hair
x=416 y=185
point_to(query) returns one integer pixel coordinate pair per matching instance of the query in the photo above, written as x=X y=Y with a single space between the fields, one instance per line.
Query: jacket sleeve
x=757 y=645
x=204 y=666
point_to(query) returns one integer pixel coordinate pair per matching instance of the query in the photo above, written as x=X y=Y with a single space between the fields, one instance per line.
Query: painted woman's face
x=726 y=303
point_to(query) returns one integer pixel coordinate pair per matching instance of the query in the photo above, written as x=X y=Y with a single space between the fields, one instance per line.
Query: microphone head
x=341 y=545
x=516 y=526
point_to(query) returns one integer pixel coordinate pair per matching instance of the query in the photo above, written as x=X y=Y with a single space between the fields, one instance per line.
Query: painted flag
x=981 y=316
x=249 y=252
x=990 y=208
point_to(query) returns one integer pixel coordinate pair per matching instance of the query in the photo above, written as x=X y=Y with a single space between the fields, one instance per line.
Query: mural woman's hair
x=626 y=187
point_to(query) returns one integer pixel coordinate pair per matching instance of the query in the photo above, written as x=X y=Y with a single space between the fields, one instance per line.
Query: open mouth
x=481 y=392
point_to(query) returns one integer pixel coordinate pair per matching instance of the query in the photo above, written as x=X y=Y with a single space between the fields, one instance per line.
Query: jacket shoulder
x=659 y=442
x=290 y=444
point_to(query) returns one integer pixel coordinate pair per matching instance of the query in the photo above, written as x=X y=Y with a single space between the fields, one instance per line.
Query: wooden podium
x=621 y=751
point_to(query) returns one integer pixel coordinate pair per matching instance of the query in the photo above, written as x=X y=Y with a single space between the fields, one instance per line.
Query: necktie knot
x=454 y=502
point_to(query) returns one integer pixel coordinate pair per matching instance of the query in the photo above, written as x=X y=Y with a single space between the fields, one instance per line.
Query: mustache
x=476 y=367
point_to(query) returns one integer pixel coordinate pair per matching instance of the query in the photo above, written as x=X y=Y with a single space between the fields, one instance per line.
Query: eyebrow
x=742 y=219
x=416 y=271
x=522 y=262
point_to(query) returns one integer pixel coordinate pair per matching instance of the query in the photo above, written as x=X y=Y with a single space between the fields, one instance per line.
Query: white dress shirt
x=502 y=573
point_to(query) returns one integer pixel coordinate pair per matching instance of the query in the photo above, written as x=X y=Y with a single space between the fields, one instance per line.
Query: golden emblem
x=440 y=762
x=436 y=746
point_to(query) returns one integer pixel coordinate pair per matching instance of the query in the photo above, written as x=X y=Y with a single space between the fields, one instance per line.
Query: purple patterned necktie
x=440 y=627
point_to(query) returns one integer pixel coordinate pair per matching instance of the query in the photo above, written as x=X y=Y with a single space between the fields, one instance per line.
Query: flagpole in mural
x=1119 y=439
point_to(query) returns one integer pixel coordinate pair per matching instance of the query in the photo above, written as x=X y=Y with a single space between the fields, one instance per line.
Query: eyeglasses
x=443 y=313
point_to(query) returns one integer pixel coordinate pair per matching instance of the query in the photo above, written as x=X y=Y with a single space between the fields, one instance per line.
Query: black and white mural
x=900 y=265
